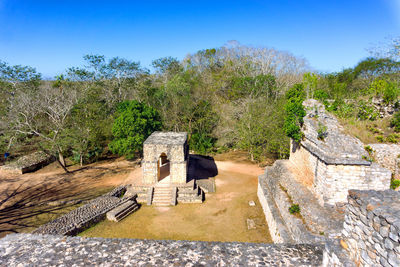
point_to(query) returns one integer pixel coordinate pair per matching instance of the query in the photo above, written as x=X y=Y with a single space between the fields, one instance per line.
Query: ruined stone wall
x=372 y=227
x=85 y=216
x=332 y=180
x=387 y=155
x=277 y=191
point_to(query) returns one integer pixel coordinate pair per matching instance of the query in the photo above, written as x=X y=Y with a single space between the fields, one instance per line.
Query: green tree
x=134 y=123
x=295 y=112
x=310 y=81
x=89 y=126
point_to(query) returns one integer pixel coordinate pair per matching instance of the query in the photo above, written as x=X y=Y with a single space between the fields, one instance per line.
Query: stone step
x=162 y=196
x=122 y=211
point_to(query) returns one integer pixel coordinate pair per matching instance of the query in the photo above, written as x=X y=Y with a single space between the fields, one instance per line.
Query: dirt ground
x=222 y=217
x=29 y=200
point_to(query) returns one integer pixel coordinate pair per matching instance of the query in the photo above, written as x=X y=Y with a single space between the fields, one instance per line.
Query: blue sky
x=54 y=35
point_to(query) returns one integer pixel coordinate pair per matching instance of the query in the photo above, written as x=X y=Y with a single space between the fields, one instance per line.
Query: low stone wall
x=50 y=250
x=85 y=216
x=387 y=155
x=277 y=228
x=29 y=163
x=372 y=227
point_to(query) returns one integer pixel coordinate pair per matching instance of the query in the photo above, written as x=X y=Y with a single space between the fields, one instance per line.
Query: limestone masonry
x=336 y=163
x=167 y=150
x=51 y=250
x=387 y=155
x=372 y=227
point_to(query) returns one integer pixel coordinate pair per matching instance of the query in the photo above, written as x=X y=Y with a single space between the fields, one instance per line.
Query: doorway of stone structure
x=163 y=169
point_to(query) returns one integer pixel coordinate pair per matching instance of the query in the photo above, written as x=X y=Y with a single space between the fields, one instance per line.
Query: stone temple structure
x=165 y=168
x=165 y=156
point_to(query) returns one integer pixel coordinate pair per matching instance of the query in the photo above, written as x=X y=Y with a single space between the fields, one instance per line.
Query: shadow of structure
x=25 y=207
x=202 y=169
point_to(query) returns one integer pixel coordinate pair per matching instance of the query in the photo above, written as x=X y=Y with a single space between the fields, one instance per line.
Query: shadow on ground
x=201 y=167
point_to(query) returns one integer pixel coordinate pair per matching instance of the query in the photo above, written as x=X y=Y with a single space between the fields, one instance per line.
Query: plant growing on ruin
x=294 y=209
x=373 y=129
x=395 y=122
x=366 y=111
x=295 y=112
x=394 y=184
x=392 y=138
x=370 y=159
x=322 y=132
x=380 y=138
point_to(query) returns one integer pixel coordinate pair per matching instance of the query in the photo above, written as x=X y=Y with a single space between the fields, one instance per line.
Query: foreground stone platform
x=50 y=250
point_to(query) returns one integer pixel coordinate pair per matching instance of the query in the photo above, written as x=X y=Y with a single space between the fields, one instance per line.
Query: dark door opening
x=163 y=167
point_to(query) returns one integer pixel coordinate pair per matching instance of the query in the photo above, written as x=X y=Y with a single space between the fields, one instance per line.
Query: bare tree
x=44 y=114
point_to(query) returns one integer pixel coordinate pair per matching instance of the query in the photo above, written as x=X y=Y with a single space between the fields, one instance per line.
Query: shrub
x=392 y=138
x=373 y=129
x=294 y=209
x=345 y=110
x=395 y=122
x=369 y=149
x=321 y=95
x=394 y=184
x=370 y=159
x=322 y=131
x=390 y=93
x=380 y=138
x=366 y=111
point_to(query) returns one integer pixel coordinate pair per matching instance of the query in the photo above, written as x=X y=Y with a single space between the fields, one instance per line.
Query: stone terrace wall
x=387 y=156
x=330 y=181
x=49 y=250
x=277 y=191
x=335 y=164
x=372 y=227
x=85 y=216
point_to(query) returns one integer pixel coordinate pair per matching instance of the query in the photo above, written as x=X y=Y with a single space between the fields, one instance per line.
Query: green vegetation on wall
x=295 y=112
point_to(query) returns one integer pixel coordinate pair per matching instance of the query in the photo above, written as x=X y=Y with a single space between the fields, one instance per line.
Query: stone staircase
x=122 y=210
x=162 y=195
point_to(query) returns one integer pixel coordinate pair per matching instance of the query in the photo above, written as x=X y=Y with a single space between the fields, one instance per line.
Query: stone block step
x=122 y=211
x=162 y=204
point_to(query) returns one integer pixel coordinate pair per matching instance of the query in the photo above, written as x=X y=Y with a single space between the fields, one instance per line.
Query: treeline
x=225 y=98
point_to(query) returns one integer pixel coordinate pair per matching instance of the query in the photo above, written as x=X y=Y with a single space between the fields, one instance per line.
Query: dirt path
x=222 y=217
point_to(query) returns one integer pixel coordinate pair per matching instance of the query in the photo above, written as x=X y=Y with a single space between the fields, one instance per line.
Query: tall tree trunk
x=62 y=166
x=61 y=161
x=81 y=160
